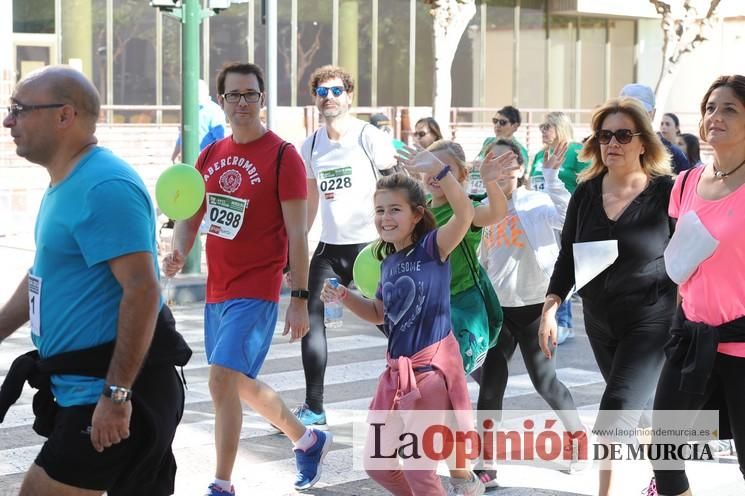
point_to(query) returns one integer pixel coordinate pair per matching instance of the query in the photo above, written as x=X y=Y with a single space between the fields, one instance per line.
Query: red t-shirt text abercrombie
x=250 y=264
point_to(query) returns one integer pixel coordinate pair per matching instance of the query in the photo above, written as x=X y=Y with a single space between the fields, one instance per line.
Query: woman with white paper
x=705 y=368
x=612 y=245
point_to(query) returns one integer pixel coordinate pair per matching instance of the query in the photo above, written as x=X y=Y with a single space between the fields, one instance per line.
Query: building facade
x=569 y=54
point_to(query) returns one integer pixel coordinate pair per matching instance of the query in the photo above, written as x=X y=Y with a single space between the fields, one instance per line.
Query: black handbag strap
x=683 y=184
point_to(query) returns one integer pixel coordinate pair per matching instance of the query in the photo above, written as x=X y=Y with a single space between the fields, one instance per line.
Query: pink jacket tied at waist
x=398 y=390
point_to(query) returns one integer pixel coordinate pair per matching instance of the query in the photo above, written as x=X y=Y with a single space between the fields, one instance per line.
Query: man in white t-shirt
x=343 y=161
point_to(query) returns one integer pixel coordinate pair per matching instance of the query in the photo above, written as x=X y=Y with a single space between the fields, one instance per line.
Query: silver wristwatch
x=117 y=394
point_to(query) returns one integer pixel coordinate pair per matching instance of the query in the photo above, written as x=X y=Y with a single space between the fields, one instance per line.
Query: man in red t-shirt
x=255 y=207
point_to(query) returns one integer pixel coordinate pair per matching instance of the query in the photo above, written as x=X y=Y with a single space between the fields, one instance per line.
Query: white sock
x=306 y=440
x=223 y=484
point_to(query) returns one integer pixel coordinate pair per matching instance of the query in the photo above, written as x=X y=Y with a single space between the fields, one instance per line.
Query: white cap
x=641 y=92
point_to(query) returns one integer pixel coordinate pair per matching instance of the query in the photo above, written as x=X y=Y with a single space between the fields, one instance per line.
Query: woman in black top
x=623 y=196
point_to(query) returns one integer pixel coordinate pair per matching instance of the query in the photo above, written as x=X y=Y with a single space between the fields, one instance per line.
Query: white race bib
x=476 y=184
x=225 y=215
x=537 y=183
x=334 y=180
x=34 y=304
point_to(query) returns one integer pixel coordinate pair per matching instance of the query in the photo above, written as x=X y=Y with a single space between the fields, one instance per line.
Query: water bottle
x=333 y=310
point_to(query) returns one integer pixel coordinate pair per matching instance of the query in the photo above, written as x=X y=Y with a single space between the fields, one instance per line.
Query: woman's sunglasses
x=623 y=136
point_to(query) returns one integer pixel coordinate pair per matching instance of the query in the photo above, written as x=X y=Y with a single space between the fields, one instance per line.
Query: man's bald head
x=67 y=85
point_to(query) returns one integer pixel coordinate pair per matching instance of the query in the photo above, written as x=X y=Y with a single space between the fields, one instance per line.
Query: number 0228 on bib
x=225 y=215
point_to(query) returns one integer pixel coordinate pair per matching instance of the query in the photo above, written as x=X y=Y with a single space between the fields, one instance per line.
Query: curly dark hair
x=330 y=72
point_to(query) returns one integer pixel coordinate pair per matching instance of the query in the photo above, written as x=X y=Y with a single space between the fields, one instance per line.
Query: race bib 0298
x=225 y=215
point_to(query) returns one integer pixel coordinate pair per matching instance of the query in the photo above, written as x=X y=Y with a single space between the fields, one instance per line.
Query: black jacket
x=643 y=230
x=167 y=349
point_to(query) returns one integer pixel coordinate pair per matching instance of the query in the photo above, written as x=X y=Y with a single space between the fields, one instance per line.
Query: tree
x=451 y=17
x=685 y=25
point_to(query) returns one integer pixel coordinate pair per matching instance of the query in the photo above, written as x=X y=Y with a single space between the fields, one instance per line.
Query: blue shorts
x=237 y=333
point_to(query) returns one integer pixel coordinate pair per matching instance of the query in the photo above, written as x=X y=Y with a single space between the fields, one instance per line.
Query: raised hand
x=555 y=158
x=494 y=168
x=417 y=160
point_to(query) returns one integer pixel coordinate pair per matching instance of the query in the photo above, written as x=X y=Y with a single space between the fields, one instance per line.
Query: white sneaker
x=463 y=487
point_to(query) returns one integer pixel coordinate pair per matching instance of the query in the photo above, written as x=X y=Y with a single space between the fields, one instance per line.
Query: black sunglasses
x=623 y=136
x=501 y=122
x=421 y=134
x=323 y=91
x=16 y=109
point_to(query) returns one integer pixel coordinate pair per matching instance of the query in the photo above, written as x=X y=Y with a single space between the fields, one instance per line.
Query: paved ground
x=265 y=465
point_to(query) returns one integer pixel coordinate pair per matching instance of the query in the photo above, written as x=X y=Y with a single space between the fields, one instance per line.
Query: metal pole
x=110 y=59
x=271 y=63
x=374 y=55
x=191 y=18
x=293 y=53
x=335 y=32
x=412 y=53
x=158 y=65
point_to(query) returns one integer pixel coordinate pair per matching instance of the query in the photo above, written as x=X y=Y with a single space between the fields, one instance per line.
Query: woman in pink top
x=706 y=354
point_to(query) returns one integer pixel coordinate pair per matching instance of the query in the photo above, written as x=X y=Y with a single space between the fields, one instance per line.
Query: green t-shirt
x=460 y=273
x=567 y=172
x=488 y=141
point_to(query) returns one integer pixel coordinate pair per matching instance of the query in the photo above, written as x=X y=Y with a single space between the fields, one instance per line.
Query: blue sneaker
x=215 y=490
x=563 y=333
x=309 y=462
x=308 y=417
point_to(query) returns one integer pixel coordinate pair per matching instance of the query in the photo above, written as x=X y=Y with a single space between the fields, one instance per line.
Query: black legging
x=728 y=377
x=521 y=327
x=628 y=341
x=328 y=261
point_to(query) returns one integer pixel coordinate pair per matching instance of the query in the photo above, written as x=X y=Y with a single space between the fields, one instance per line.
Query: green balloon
x=366 y=271
x=179 y=191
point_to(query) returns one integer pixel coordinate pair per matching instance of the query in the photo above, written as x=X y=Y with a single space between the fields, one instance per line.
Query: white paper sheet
x=690 y=245
x=591 y=258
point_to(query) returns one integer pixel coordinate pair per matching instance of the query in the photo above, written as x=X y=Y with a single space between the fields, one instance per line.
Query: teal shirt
x=99 y=212
x=568 y=171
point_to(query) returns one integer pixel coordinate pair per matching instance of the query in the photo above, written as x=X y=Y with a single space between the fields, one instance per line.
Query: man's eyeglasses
x=501 y=122
x=235 y=96
x=16 y=109
x=421 y=134
x=323 y=91
x=623 y=136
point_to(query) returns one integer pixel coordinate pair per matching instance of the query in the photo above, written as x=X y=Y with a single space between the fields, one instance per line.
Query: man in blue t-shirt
x=93 y=302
